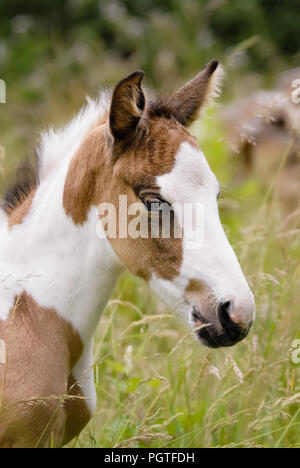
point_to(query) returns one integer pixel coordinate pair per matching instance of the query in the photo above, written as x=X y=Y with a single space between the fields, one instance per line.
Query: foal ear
x=127 y=105
x=188 y=102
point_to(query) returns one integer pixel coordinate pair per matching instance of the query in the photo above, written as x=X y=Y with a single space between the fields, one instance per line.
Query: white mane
x=57 y=145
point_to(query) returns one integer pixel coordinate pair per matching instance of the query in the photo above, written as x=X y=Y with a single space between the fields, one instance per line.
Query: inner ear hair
x=127 y=106
x=188 y=102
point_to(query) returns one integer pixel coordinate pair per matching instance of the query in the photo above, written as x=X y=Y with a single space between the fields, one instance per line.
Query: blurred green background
x=59 y=50
x=167 y=38
x=156 y=386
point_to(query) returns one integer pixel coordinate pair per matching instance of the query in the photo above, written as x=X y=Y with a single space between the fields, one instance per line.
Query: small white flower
x=128 y=358
x=214 y=371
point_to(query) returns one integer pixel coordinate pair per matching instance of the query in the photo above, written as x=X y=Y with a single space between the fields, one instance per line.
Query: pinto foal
x=57 y=274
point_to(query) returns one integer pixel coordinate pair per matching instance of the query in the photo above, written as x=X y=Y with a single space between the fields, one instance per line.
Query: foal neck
x=63 y=266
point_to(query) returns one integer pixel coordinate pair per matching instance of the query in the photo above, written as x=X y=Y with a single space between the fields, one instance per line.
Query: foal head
x=159 y=169
x=159 y=165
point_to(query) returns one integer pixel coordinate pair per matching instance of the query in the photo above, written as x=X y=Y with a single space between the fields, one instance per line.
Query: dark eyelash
x=156 y=200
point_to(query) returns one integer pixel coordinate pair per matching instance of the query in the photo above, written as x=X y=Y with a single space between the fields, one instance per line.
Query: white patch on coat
x=62 y=266
x=214 y=261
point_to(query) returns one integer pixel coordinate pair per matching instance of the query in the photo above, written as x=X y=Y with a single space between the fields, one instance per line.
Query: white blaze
x=212 y=260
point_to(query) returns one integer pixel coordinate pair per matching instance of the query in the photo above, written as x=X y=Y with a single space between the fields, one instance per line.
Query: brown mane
x=25 y=180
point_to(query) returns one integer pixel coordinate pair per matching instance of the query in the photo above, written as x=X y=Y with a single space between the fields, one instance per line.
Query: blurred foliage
x=166 y=38
x=56 y=51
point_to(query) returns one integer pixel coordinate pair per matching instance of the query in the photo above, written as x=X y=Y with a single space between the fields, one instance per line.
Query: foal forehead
x=154 y=150
x=166 y=155
x=190 y=173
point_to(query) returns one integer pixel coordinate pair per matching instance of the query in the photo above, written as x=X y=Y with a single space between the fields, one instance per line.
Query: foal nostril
x=225 y=308
x=224 y=311
x=233 y=331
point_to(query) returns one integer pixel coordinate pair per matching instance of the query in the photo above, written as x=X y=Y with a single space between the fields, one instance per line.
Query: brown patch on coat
x=84 y=176
x=78 y=413
x=199 y=294
x=152 y=154
x=196 y=286
x=124 y=156
x=17 y=215
x=41 y=349
x=94 y=177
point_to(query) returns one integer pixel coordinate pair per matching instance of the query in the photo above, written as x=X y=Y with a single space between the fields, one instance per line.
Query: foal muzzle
x=222 y=331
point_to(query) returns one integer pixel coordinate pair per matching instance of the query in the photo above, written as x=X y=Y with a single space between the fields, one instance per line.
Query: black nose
x=230 y=332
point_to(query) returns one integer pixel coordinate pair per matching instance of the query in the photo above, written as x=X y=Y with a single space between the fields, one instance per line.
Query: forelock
x=160 y=107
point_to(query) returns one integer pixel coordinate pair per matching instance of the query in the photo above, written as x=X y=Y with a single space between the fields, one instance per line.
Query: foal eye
x=154 y=203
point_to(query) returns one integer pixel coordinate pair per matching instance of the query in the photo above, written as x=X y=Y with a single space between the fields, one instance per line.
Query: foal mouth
x=205 y=331
x=198 y=319
x=200 y=323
